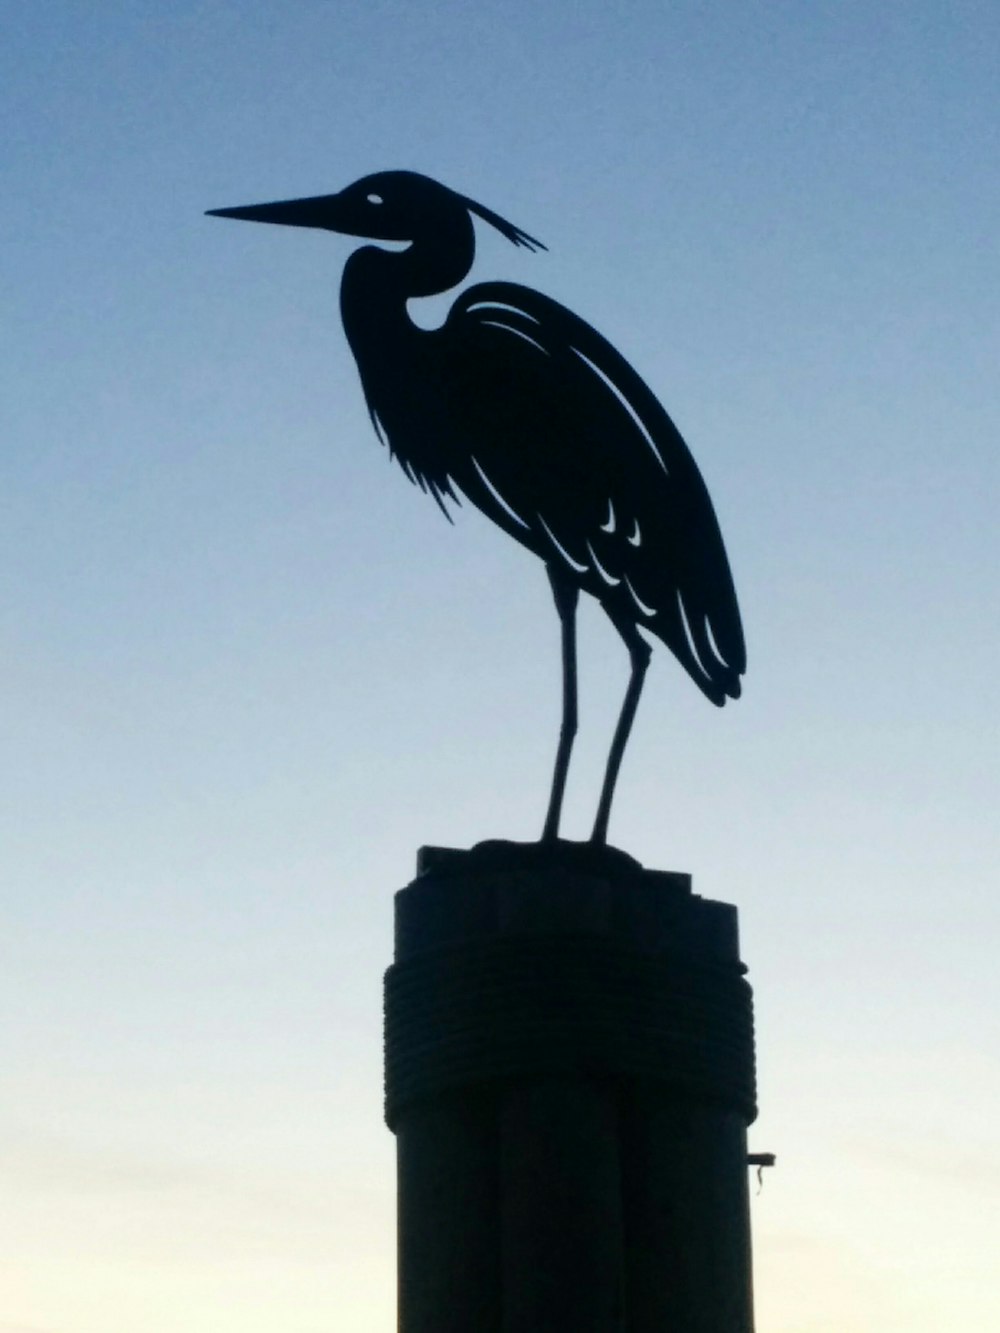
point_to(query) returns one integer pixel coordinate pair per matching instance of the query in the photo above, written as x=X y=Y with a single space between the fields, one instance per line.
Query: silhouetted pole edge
x=569 y=1075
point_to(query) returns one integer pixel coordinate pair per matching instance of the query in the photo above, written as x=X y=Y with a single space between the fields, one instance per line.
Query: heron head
x=387 y=206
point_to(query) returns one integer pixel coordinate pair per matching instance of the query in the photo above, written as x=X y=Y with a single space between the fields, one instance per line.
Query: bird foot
x=500 y=854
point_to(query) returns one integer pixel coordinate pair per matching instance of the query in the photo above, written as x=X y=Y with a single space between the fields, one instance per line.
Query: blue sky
x=247 y=669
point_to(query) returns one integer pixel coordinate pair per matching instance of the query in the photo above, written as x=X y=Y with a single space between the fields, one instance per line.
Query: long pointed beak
x=314 y=212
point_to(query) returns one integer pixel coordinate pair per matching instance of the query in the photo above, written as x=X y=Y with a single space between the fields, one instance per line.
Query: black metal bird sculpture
x=521 y=407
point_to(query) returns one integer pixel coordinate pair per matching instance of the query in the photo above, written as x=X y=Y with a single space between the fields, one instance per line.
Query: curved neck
x=431 y=264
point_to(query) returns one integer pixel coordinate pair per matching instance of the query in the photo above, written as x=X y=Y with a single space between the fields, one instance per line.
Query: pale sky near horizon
x=247 y=669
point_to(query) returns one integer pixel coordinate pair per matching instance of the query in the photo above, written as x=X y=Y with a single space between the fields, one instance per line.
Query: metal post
x=569 y=1075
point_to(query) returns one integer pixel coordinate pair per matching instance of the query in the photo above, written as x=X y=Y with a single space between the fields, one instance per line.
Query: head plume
x=514 y=234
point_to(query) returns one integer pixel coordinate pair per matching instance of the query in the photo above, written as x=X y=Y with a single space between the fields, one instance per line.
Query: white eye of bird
x=375 y=199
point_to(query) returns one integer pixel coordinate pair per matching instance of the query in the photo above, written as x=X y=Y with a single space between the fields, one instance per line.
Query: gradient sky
x=247 y=669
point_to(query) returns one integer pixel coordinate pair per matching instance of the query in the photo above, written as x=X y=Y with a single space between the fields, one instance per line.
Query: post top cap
x=500 y=856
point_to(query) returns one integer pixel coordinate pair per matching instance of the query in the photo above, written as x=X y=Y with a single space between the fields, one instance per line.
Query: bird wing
x=560 y=441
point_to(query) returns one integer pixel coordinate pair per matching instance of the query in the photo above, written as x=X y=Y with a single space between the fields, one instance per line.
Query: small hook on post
x=760 y=1160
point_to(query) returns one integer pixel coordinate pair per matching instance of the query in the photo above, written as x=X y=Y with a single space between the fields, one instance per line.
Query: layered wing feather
x=551 y=433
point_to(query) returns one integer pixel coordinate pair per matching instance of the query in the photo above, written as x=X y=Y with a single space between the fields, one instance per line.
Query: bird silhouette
x=522 y=408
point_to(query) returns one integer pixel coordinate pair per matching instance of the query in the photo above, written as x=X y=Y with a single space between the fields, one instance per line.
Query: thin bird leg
x=566 y=595
x=640 y=653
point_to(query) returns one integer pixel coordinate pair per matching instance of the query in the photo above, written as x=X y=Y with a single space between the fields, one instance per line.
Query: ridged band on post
x=519 y=1005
